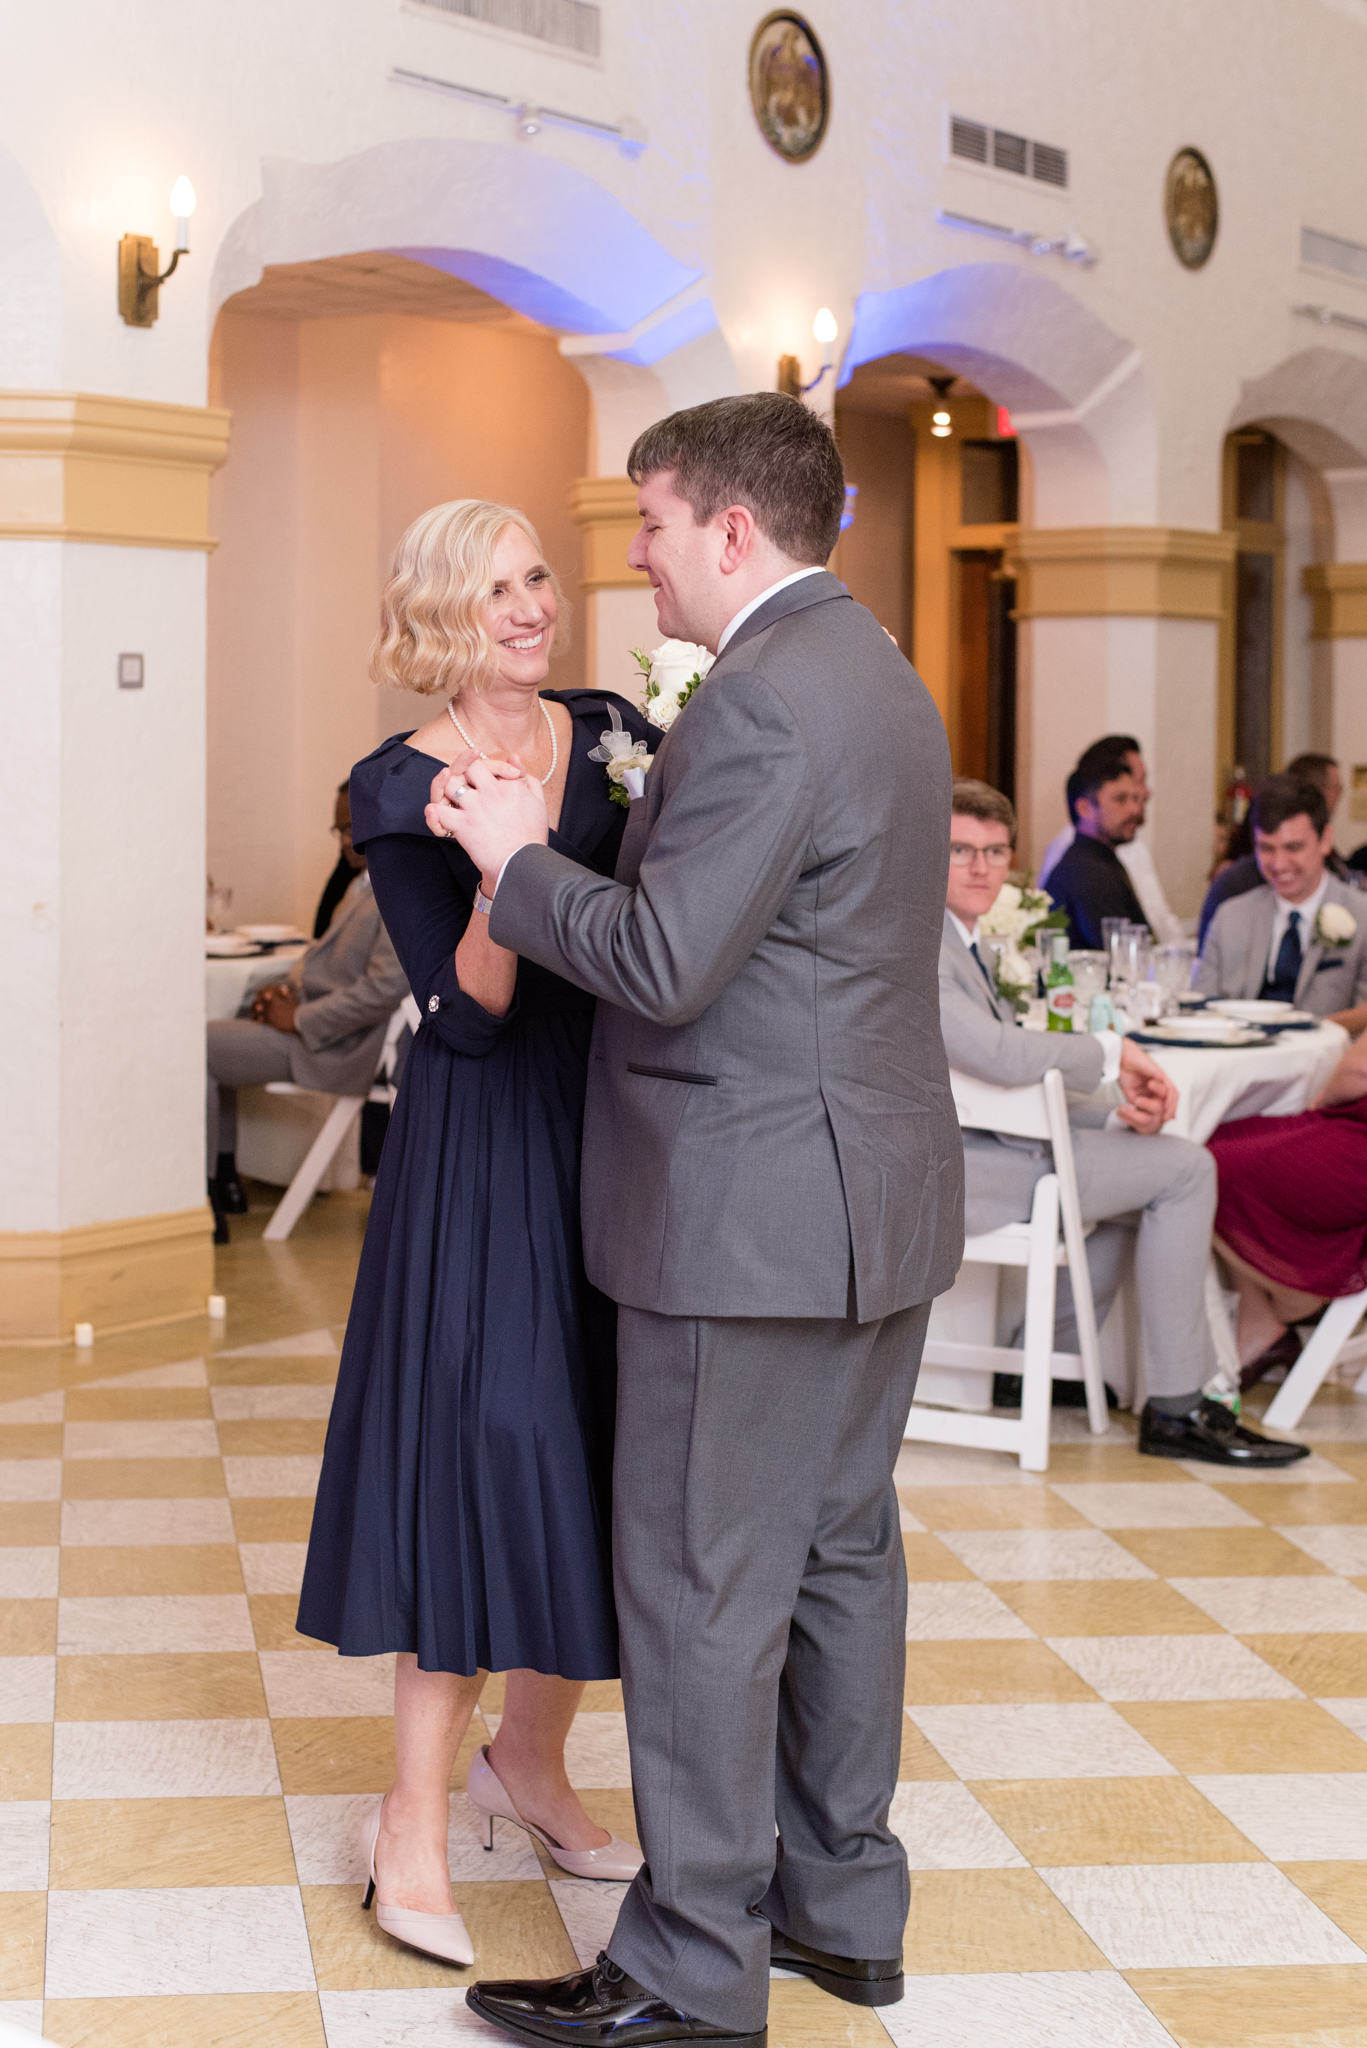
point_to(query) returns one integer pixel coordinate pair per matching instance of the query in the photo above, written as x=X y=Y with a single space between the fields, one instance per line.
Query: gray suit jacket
x=768 y=1112
x=351 y=983
x=1234 y=959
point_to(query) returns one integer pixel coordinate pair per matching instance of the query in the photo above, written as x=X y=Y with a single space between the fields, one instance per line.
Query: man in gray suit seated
x=1138 y=1188
x=322 y=1028
x=1302 y=937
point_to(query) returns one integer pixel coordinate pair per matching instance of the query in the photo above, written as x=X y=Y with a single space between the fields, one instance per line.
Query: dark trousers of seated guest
x=242 y=1054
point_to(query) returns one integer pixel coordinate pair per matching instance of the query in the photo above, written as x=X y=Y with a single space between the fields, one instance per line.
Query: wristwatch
x=483 y=904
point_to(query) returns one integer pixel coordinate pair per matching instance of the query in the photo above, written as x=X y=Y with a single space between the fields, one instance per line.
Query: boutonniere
x=627 y=760
x=673 y=672
x=1335 y=926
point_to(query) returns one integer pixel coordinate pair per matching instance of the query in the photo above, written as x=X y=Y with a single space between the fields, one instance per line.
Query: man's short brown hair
x=765 y=451
x=979 y=800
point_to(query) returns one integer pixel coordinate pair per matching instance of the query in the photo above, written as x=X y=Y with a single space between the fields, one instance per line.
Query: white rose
x=674 y=664
x=1335 y=925
x=1008 y=897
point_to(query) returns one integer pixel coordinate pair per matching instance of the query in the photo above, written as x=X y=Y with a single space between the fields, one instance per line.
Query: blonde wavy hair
x=432 y=637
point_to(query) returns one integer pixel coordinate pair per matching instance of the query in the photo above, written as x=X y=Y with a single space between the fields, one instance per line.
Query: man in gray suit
x=1302 y=937
x=1140 y=1189
x=772 y=1190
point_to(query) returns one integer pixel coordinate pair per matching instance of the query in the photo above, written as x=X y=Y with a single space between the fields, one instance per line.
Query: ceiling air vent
x=975 y=143
x=570 y=24
x=1331 y=252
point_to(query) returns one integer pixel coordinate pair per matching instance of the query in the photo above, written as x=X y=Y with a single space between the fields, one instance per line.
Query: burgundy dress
x=1293 y=1196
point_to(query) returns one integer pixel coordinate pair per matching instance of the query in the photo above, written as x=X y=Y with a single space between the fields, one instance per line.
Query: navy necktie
x=973 y=949
x=1286 y=972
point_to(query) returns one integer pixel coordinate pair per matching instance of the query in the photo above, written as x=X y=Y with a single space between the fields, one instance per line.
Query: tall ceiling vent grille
x=570 y=24
x=1331 y=252
x=975 y=143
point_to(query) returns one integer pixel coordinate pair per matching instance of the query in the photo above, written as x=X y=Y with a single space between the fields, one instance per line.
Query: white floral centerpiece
x=673 y=672
x=1018 y=910
x=1335 y=926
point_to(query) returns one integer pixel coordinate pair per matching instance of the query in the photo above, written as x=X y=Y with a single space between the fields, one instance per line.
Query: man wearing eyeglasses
x=1144 y=1193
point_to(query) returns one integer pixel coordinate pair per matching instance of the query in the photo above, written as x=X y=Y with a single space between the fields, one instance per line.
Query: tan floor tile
x=1287 y=2007
x=127 y=1844
x=355 y=1754
x=138 y=1404
x=1103 y=1607
x=27 y=1522
x=273 y=1623
x=990 y=1507
x=25 y=1767
x=1218 y=1553
x=208 y=1686
x=1113 y=1820
x=30 y=1439
x=514 y=1926
x=28 y=1628
x=289 y=2019
x=271 y=1372
x=142 y=1478
x=802 y=2016
x=23 y=1931
x=986 y=1673
x=996 y=1920
x=614 y=1811
x=920 y=1761
x=1070 y=1464
x=928 y=1559
x=92 y=1570
x=1327 y=1667
x=1218 y=1736
x=1338 y=1889
x=271 y=1439
x=272 y=1521
x=601 y=1695
x=1349 y=1457
x=1285 y=1507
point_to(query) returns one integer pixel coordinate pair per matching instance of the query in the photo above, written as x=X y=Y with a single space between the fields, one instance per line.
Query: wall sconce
x=139 y=277
x=824 y=329
x=941 y=425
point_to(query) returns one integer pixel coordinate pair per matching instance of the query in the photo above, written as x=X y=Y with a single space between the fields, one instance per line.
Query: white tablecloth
x=1217 y=1086
x=227 y=983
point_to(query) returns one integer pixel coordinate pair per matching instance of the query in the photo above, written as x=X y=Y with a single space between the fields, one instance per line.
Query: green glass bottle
x=1059 y=991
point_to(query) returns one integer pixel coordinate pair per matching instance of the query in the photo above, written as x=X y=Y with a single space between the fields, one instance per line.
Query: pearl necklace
x=550 y=722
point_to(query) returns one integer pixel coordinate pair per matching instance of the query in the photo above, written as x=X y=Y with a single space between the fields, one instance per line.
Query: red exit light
x=1005 y=429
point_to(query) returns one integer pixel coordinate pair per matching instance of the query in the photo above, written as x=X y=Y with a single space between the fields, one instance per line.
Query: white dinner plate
x=1196 y=1031
x=269 y=934
x=227 y=945
x=1249 y=1012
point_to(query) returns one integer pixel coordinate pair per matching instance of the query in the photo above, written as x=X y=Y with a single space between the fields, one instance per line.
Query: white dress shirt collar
x=763 y=598
x=1281 y=917
x=970 y=938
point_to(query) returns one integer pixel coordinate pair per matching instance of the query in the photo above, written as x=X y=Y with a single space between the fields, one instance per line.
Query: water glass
x=1113 y=931
x=1137 y=952
x=1089 y=978
x=218 y=908
x=1172 y=967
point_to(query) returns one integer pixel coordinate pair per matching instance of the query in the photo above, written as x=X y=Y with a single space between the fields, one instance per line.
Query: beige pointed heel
x=614 y=1862
x=441 y=1935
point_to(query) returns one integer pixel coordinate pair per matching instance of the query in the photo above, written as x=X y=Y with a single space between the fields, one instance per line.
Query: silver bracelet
x=483 y=904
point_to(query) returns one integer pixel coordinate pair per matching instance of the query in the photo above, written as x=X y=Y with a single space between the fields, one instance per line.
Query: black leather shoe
x=1213 y=1433
x=1006 y=1392
x=1284 y=1352
x=601 y=2005
x=860 y=1983
x=220 y=1220
x=232 y=1196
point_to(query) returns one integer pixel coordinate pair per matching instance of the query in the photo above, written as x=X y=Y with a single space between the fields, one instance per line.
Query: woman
x=1292 y=1218
x=463 y=1512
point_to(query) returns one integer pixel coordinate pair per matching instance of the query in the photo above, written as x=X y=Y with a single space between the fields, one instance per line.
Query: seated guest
x=349 y=862
x=1240 y=872
x=1292 y=1217
x=1134 y=857
x=323 y=1028
x=1301 y=935
x=1140 y=1189
x=1089 y=881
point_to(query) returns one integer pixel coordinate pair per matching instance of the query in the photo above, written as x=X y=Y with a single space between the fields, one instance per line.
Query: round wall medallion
x=1191 y=208
x=789 y=86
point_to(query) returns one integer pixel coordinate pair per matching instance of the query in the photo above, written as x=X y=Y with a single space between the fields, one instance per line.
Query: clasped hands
x=1150 y=1097
x=491 y=807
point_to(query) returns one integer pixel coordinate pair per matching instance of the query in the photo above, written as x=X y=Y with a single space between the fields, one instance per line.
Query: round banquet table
x=1218 y=1084
x=228 y=982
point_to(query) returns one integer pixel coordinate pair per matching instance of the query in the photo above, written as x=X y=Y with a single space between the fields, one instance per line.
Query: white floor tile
x=212 y=1939
x=1332 y=1422
x=35 y=1408
x=29 y=1574
x=1352 y=1713
x=146 y=1521
x=1044 y=2009
x=596 y=1753
x=27 y=1688
x=163 y=1760
x=326 y=1831
x=272 y=1478
x=1043 y=1554
x=1315 y=1470
x=273 y=1567
x=400 y=2019
x=187 y=1372
x=183 y=1439
x=303 y=1683
x=948 y=1465
x=1138 y=1504
x=589 y=1911
x=23 y=1850
x=1341 y=1546
x=1310 y=1817
x=1279 y=1606
x=152 y=1624
x=910 y=1525
x=1043 y=1741
x=955 y=1610
x=1199 y=1916
x=24 y=2013
x=1172 y=1668
x=30 y=1478
x=308 y=1344
x=271 y=1404
x=942 y=1827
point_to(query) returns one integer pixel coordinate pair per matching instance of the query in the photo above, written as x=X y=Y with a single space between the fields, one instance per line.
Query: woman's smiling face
x=520 y=611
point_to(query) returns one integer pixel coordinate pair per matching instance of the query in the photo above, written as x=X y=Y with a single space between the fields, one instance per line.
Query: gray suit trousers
x=242 y=1054
x=761 y=1592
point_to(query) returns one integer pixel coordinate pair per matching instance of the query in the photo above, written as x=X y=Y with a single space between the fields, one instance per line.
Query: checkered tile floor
x=1134 y=1769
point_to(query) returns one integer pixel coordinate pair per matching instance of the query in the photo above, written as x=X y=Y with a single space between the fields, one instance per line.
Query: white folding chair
x=1039 y=1111
x=1326 y=1348
x=343 y=1114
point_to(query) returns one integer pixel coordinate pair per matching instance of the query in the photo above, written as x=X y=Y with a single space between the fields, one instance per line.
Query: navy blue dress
x=464 y=1508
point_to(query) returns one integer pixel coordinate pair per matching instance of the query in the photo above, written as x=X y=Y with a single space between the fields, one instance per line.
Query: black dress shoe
x=1213 y=1433
x=220 y=1220
x=232 y=1196
x=1006 y=1392
x=1285 y=1351
x=860 y=1983
x=601 y=2005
